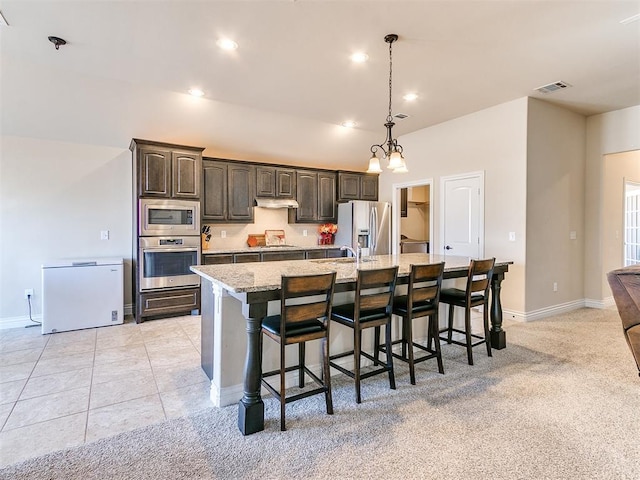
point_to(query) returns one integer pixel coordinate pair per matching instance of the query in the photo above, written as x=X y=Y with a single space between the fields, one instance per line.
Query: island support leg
x=251 y=406
x=498 y=335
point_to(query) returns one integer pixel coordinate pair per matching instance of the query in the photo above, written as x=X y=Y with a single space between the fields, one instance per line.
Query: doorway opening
x=412 y=229
x=631 y=223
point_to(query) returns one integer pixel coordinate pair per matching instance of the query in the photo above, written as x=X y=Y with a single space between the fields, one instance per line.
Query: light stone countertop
x=265 y=276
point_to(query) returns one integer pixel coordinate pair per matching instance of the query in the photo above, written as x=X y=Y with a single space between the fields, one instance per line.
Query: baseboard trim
x=20 y=322
x=606 y=303
x=544 y=312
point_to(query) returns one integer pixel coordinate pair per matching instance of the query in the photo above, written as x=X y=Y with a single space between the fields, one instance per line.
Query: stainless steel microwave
x=168 y=217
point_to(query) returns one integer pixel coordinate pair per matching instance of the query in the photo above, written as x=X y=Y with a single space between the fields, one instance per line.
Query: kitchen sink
x=342 y=260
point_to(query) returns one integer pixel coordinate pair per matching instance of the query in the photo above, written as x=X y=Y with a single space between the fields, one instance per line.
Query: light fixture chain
x=389 y=118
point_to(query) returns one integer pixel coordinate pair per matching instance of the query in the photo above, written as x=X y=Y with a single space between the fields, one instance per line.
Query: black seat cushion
x=400 y=306
x=345 y=313
x=272 y=324
x=458 y=297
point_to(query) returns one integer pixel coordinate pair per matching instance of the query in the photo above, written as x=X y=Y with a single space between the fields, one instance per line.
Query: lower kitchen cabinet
x=278 y=256
x=217 y=259
x=167 y=302
x=246 y=257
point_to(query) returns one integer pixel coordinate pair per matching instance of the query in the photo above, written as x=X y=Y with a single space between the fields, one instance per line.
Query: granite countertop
x=246 y=249
x=265 y=276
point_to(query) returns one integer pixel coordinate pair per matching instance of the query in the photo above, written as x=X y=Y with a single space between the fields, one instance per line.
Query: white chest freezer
x=80 y=294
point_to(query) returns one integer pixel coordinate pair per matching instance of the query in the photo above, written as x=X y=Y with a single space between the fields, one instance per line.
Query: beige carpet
x=561 y=402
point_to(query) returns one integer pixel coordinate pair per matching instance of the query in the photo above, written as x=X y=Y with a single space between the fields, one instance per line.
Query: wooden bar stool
x=372 y=308
x=476 y=294
x=422 y=300
x=301 y=319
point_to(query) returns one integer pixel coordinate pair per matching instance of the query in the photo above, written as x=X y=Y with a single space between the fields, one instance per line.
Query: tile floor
x=70 y=388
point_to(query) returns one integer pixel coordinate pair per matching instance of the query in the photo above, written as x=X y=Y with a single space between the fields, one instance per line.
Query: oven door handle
x=168 y=250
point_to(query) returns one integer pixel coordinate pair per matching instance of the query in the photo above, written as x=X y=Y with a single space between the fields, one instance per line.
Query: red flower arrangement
x=327 y=232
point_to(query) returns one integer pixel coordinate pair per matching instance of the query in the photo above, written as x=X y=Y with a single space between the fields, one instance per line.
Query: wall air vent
x=552 y=87
x=401 y=116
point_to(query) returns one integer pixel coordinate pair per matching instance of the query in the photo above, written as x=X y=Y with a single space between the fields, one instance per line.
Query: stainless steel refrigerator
x=367 y=224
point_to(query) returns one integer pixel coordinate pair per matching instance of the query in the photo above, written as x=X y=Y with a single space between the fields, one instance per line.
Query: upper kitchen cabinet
x=316 y=196
x=165 y=170
x=228 y=191
x=357 y=186
x=275 y=182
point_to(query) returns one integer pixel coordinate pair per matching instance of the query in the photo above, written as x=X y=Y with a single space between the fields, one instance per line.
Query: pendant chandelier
x=390 y=148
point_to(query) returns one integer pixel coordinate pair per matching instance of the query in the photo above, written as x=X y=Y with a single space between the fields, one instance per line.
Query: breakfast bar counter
x=243 y=291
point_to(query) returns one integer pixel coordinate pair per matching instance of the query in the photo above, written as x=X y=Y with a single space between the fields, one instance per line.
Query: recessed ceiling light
x=226 y=44
x=359 y=57
x=349 y=124
x=632 y=18
x=196 y=92
x=410 y=97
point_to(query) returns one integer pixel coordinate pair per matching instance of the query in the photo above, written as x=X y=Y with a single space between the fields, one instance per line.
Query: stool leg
x=485 y=317
x=387 y=334
x=282 y=386
x=301 y=364
x=408 y=328
x=356 y=362
x=404 y=337
x=450 y=326
x=376 y=345
x=433 y=327
x=326 y=375
x=467 y=331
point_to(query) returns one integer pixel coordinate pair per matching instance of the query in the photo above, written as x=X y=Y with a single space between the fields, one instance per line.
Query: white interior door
x=462 y=215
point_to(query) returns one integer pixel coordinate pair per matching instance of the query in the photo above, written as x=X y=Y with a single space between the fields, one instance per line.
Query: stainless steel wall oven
x=165 y=261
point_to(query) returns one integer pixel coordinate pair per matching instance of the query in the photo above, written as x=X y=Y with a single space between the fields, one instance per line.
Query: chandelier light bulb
x=374 y=165
x=395 y=161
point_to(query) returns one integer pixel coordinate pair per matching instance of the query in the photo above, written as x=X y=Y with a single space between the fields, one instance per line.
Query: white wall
x=555 y=207
x=55 y=198
x=611 y=132
x=493 y=140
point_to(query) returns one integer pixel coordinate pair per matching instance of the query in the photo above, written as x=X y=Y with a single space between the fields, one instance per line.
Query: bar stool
x=301 y=319
x=476 y=294
x=422 y=300
x=371 y=308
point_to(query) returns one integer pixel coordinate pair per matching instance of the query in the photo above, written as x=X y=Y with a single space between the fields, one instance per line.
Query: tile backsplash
x=265 y=219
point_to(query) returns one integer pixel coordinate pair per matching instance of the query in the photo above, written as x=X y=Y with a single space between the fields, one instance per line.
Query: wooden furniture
x=357 y=186
x=305 y=310
x=270 y=255
x=476 y=294
x=625 y=286
x=275 y=182
x=254 y=285
x=422 y=300
x=371 y=308
x=228 y=191
x=164 y=170
x=316 y=196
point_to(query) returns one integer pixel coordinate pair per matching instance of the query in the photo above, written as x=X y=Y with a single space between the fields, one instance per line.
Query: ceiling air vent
x=552 y=87
x=401 y=116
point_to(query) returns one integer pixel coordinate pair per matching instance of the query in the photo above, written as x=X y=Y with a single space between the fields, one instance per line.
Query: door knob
x=448 y=248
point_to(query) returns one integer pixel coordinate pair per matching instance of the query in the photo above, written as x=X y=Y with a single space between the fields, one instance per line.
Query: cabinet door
x=279 y=256
x=154 y=172
x=307 y=197
x=285 y=183
x=326 y=197
x=217 y=259
x=214 y=192
x=246 y=257
x=186 y=175
x=312 y=254
x=242 y=192
x=403 y=202
x=265 y=181
x=369 y=187
x=348 y=186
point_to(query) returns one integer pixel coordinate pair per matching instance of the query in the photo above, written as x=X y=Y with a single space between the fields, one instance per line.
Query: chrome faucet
x=357 y=254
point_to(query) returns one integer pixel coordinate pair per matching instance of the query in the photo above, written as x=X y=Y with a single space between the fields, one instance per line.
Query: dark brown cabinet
x=167 y=171
x=357 y=186
x=404 y=204
x=316 y=196
x=228 y=191
x=275 y=182
x=271 y=256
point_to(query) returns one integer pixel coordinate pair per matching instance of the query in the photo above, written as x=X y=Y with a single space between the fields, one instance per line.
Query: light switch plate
x=572 y=235
x=512 y=236
x=104 y=234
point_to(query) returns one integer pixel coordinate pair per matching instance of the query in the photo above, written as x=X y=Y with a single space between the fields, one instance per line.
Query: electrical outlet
x=28 y=292
x=555 y=286
x=304 y=233
x=223 y=234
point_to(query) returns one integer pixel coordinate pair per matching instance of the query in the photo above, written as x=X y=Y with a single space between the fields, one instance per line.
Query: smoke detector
x=552 y=87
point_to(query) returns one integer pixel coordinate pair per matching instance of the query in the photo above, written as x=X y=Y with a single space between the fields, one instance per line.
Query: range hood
x=270 y=202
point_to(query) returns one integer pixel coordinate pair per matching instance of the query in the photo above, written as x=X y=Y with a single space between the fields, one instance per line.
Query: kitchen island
x=236 y=292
